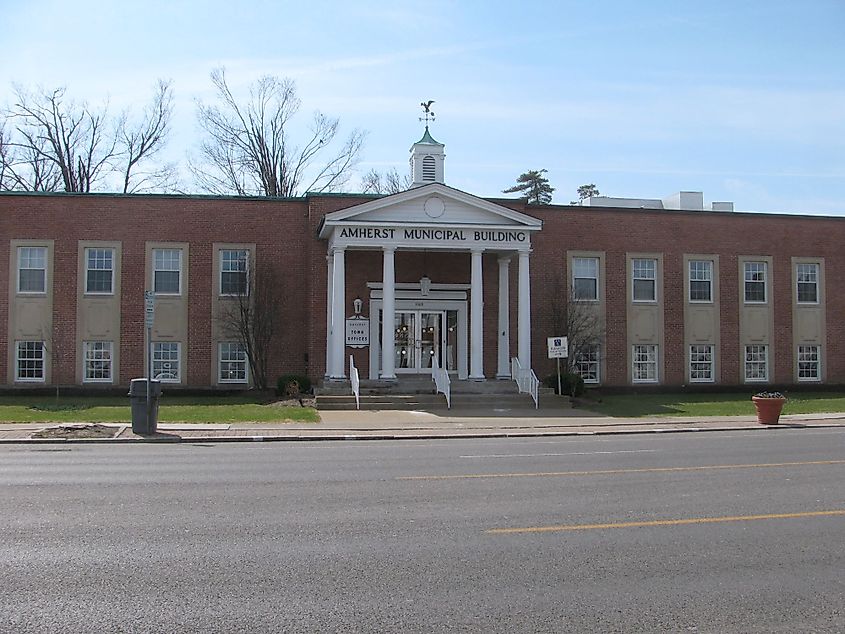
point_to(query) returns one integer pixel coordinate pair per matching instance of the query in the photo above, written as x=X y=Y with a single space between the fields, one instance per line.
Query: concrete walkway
x=374 y=425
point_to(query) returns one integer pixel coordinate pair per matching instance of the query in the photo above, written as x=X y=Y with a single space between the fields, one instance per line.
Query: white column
x=329 y=301
x=524 y=325
x=388 y=347
x=504 y=369
x=476 y=324
x=338 y=315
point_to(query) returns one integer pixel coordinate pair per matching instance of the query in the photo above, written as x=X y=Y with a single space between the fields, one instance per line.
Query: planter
x=768 y=409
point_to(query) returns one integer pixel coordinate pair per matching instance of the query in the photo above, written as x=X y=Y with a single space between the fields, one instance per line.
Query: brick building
x=679 y=295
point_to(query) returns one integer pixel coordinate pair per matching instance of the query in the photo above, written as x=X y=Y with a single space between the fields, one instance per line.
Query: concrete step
x=425 y=402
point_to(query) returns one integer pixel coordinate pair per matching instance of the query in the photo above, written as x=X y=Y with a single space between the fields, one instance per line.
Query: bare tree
x=577 y=320
x=55 y=144
x=390 y=182
x=251 y=317
x=249 y=151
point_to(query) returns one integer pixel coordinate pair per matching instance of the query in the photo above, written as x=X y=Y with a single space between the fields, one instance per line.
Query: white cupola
x=427 y=158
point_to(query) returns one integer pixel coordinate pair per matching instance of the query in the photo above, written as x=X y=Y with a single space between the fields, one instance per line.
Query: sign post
x=558 y=349
x=149 y=319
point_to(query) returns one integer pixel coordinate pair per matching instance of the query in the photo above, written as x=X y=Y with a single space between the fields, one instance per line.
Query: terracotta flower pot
x=768 y=409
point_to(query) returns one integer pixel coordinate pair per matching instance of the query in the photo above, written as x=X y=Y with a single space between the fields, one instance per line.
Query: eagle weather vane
x=428 y=112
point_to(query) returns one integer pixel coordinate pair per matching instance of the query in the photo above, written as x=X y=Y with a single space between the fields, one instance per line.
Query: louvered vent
x=428 y=171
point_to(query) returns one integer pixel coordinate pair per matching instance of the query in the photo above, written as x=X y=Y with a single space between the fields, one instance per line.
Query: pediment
x=434 y=205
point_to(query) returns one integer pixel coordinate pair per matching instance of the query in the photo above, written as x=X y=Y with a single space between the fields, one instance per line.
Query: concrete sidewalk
x=384 y=424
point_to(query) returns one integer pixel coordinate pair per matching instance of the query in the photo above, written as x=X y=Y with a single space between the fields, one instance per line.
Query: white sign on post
x=149 y=308
x=558 y=347
x=357 y=332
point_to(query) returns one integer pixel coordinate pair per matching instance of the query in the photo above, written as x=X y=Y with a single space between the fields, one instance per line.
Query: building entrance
x=423 y=336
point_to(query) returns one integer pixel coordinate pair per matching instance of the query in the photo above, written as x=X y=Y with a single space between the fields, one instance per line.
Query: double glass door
x=422 y=336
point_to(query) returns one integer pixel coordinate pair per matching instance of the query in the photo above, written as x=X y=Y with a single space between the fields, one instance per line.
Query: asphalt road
x=699 y=532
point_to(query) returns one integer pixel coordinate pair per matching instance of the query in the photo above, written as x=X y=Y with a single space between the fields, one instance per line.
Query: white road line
x=543 y=455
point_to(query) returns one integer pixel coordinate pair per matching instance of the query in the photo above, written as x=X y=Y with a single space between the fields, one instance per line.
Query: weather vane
x=428 y=112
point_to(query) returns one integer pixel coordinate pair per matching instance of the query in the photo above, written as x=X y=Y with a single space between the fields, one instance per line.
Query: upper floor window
x=99 y=271
x=755 y=282
x=167 y=271
x=585 y=278
x=701 y=281
x=644 y=274
x=808 y=283
x=32 y=269
x=234 y=269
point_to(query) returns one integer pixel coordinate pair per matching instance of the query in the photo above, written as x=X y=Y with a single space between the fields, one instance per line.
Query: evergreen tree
x=534 y=187
x=586 y=191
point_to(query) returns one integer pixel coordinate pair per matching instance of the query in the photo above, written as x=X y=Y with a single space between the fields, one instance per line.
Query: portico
x=417 y=323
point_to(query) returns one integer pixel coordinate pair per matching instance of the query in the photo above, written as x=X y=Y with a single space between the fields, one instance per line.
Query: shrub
x=291 y=385
x=570 y=382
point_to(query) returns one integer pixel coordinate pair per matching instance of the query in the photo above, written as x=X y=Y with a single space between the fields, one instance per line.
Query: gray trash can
x=138 y=399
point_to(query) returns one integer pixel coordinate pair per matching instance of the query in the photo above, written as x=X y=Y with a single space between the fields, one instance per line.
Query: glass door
x=430 y=339
x=418 y=337
x=405 y=341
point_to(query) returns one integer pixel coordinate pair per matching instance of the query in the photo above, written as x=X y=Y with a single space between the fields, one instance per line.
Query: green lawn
x=173 y=409
x=738 y=404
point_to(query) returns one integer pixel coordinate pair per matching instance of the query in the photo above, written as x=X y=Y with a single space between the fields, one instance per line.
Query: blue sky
x=744 y=101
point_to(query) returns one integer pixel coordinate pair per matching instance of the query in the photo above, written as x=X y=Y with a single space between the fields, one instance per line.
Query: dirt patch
x=81 y=430
x=304 y=401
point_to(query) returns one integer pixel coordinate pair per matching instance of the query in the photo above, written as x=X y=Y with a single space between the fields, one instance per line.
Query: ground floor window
x=166 y=361
x=701 y=363
x=587 y=364
x=756 y=363
x=645 y=364
x=29 y=361
x=233 y=363
x=809 y=365
x=98 y=361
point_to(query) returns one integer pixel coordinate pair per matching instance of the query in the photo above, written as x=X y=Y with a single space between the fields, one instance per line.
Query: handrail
x=526 y=381
x=442 y=383
x=355 y=381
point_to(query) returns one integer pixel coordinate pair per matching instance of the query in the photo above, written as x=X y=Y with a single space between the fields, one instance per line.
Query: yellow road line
x=693 y=520
x=549 y=474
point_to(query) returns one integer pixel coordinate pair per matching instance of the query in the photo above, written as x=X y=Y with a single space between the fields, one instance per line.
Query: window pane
x=644 y=290
x=756 y=363
x=232 y=363
x=98 y=363
x=585 y=267
x=29 y=361
x=167 y=282
x=168 y=267
x=586 y=289
x=32 y=281
x=699 y=291
x=100 y=265
x=808 y=283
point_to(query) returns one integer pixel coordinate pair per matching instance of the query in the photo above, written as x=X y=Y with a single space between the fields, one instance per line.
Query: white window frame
x=88 y=268
x=641 y=275
x=221 y=361
x=650 y=360
x=43 y=268
x=702 y=357
x=178 y=361
x=90 y=356
x=751 y=363
x=755 y=267
x=583 y=260
x=170 y=270
x=223 y=271
x=589 y=363
x=816 y=270
x=18 y=359
x=809 y=356
x=708 y=269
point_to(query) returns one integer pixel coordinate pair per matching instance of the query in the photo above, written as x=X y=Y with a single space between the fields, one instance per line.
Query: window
x=234 y=266
x=755 y=282
x=166 y=366
x=701 y=281
x=587 y=364
x=29 y=361
x=167 y=271
x=585 y=282
x=98 y=361
x=809 y=367
x=644 y=274
x=645 y=364
x=756 y=363
x=32 y=269
x=808 y=283
x=701 y=363
x=99 y=271
x=232 y=363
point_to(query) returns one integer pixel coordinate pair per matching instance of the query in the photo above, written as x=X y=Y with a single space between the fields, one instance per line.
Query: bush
x=293 y=385
x=571 y=383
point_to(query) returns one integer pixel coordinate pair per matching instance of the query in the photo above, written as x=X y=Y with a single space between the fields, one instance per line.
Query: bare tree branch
x=247 y=149
x=390 y=182
x=144 y=141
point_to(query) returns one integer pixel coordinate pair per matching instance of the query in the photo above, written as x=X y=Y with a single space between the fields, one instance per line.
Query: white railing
x=526 y=380
x=355 y=381
x=442 y=383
